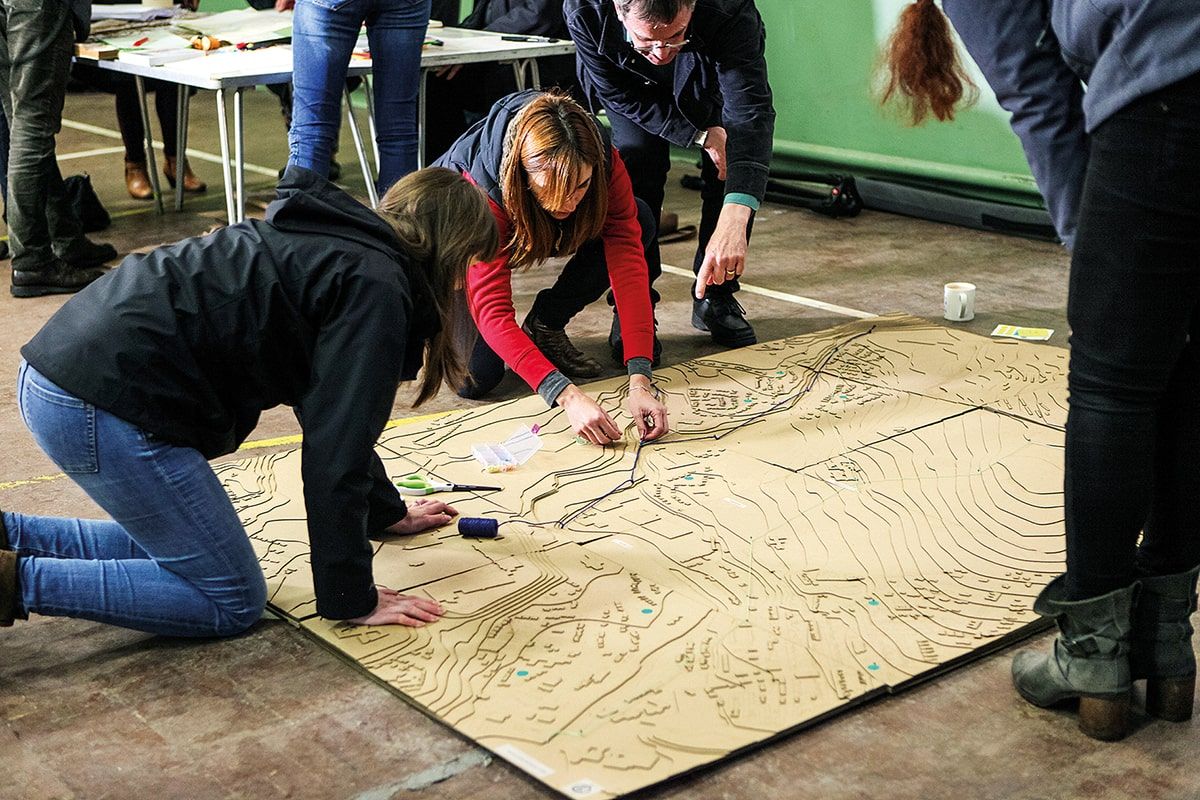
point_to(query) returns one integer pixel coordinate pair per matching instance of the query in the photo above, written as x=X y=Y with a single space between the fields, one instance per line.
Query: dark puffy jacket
x=312 y=308
x=538 y=17
x=1035 y=53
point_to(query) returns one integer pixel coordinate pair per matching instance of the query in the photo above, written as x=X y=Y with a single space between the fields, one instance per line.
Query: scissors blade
x=470 y=487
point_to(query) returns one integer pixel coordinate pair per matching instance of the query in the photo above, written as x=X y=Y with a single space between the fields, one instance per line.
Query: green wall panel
x=821 y=55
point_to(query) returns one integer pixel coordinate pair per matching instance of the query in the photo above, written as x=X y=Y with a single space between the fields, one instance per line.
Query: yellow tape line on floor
x=254 y=445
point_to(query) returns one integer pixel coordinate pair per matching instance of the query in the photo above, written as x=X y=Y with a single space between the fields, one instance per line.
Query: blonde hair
x=443 y=223
x=921 y=65
x=555 y=136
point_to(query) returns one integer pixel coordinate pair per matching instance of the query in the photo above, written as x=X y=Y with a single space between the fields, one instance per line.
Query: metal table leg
x=223 y=125
x=151 y=161
x=371 y=119
x=239 y=151
x=421 y=119
x=181 y=137
x=361 y=150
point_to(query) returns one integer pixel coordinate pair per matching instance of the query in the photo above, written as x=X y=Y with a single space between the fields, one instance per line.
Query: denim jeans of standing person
x=323 y=36
x=1133 y=429
x=173 y=560
x=37 y=39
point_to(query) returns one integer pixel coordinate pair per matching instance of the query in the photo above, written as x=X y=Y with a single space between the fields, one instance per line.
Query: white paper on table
x=131 y=11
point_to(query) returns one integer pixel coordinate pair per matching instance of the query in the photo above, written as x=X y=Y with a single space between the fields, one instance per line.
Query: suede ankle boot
x=1089 y=660
x=1162 y=644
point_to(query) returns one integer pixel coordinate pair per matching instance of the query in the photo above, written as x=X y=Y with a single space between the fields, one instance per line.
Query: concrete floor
x=91 y=711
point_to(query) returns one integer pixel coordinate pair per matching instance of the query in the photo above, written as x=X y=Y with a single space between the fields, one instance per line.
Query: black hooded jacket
x=312 y=308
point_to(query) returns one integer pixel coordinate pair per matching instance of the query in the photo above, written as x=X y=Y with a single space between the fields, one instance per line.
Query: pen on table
x=434 y=42
x=516 y=38
x=141 y=41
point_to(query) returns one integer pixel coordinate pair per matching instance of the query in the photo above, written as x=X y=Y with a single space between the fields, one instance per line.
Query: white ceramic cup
x=958 y=302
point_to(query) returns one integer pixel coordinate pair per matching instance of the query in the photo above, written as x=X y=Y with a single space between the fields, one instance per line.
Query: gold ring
x=729 y=273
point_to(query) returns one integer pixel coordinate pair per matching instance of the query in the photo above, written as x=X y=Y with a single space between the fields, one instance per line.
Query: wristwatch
x=701 y=137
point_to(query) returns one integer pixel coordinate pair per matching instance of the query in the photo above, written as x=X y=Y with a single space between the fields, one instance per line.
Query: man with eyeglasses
x=689 y=73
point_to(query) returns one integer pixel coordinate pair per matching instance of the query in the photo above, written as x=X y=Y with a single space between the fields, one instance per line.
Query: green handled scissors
x=418 y=484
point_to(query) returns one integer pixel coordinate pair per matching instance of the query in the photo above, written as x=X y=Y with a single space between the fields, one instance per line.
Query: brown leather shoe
x=556 y=347
x=190 y=182
x=137 y=180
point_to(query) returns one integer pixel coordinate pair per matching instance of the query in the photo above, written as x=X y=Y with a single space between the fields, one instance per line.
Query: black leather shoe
x=84 y=253
x=723 y=317
x=57 y=277
x=562 y=354
x=618 y=347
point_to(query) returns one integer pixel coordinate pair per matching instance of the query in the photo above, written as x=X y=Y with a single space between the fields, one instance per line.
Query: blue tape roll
x=478 y=527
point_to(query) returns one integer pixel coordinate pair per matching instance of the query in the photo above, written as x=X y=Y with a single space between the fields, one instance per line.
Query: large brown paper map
x=832 y=517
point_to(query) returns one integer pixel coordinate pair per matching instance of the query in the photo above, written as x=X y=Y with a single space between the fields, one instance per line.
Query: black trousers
x=1133 y=427
x=129 y=107
x=648 y=158
x=37 y=38
x=583 y=280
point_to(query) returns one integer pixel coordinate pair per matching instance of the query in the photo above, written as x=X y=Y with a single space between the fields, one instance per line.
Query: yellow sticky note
x=1027 y=334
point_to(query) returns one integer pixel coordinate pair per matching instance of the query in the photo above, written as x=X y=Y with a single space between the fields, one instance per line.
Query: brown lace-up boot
x=558 y=349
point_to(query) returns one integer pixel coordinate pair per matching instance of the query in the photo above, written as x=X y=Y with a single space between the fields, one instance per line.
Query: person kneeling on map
x=326 y=306
x=559 y=191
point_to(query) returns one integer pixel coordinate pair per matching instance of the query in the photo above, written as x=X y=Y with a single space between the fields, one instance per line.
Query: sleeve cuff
x=552 y=386
x=742 y=199
x=638 y=365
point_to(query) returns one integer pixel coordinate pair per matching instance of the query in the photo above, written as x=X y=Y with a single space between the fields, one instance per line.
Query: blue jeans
x=323 y=36
x=174 y=559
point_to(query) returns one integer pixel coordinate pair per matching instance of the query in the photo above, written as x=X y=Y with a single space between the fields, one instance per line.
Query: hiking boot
x=723 y=317
x=1162 y=644
x=191 y=183
x=56 y=277
x=617 y=346
x=137 y=180
x=83 y=253
x=1089 y=659
x=558 y=349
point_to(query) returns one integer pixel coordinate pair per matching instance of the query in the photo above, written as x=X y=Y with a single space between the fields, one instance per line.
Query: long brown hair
x=443 y=223
x=554 y=136
x=921 y=65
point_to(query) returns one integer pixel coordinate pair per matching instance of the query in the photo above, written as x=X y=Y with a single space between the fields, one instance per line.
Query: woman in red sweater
x=558 y=189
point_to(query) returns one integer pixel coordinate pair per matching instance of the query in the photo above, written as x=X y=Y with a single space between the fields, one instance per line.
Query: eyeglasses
x=652 y=46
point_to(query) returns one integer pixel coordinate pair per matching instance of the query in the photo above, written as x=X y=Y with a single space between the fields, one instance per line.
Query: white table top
x=229 y=68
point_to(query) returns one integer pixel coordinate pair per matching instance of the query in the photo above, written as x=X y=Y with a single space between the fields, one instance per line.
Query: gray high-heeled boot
x=1162 y=644
x=1090 y=659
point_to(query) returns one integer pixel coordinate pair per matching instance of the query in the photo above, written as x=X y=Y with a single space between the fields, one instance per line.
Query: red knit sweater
x=489 y=286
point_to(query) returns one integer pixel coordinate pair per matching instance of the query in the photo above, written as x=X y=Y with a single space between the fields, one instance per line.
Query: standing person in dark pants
x=50 y=253
x=457 y=96
x=1119 y=166
x=689 y=73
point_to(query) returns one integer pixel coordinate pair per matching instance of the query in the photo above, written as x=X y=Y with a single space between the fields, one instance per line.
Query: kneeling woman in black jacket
x=326 y=306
